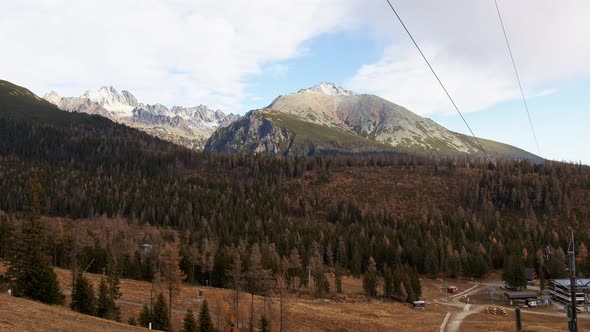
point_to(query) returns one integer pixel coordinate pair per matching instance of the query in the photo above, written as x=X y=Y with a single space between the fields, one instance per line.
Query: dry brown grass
x=18 y=314
x=357 y=313
x=299 y=314
x=433 y=289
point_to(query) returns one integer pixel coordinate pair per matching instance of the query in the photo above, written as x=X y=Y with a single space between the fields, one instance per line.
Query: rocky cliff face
x=273 y=133
x=190 y=126
x=252 y=134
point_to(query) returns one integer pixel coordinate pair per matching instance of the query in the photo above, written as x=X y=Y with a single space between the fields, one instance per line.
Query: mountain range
x=321 y=120
x=187 y=126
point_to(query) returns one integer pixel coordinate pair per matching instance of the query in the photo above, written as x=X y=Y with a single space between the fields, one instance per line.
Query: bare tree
x=258 y=279
x=170 y=272
x=235 y=274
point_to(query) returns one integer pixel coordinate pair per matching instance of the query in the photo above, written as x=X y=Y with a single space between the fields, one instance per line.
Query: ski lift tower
x=571 y=253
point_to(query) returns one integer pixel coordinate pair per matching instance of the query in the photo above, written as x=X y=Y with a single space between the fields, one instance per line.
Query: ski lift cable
x=439 y=81
x=526 y=106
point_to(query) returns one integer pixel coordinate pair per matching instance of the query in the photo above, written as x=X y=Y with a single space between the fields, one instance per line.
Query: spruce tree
x=108 y=294
x=371 y=279
x=6 y=231
x=145 y=316
x=322 y=286
x=402 y=291
x=30 y=270
x=388 y=282
x=338 y=278
x=416 y=285
x=83 y=296
x=264 y=324
x=112 y=279
x=205 y=322
x=161 y=320
x=508 y=273
x=189 y=324
x=106 y=306
x=513 y=274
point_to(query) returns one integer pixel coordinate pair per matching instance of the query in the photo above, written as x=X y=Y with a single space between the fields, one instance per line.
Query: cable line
x=439 y=81
x=526 y=106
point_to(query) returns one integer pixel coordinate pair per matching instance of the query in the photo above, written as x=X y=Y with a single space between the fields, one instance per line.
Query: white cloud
x=403 y=78
x=189 y=52
x=464 y=43
x=174 y=52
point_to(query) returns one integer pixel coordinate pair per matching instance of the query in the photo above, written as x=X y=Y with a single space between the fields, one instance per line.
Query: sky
x=242 y=54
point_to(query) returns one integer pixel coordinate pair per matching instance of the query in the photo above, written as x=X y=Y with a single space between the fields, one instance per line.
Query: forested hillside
x=407 y=214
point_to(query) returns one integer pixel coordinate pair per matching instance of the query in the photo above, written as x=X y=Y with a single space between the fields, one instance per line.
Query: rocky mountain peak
x=52 y=97
x=329 y=89
x=190 y=126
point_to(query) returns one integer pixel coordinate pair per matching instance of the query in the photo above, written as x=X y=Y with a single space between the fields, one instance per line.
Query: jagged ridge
x=190 y=126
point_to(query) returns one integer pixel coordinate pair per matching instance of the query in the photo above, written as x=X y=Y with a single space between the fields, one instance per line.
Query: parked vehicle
x=419 y=305
x=531 y=303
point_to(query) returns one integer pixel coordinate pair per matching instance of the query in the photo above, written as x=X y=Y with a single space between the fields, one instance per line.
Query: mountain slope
x=34 y=129
x=189 y=127
x=276 y=133
x=375 y=123
x=19 y=314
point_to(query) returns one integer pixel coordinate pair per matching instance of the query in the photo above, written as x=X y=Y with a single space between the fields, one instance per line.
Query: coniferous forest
x=122 y=198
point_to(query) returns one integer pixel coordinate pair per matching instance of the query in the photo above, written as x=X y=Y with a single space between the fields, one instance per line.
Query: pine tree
x=582 y=258
x=341 y=254
x=189 y=324
x=402 y=291
x=6 y=231
x=264 y=324
x=106 y=306
x=83 y=296
x=205 y=322
x=30 y=270
x=387 y=282
x=413 y=282
x=513 y=274
x=161 y=320
x=431 y=262
x=103 y=300
x=371 y=279
x=508 y=273
x=145 y=316
x=322 y=286
x=112 y=278
x=338 y=278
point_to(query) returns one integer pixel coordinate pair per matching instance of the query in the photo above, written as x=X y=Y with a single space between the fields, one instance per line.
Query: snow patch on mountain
x=330 y=89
